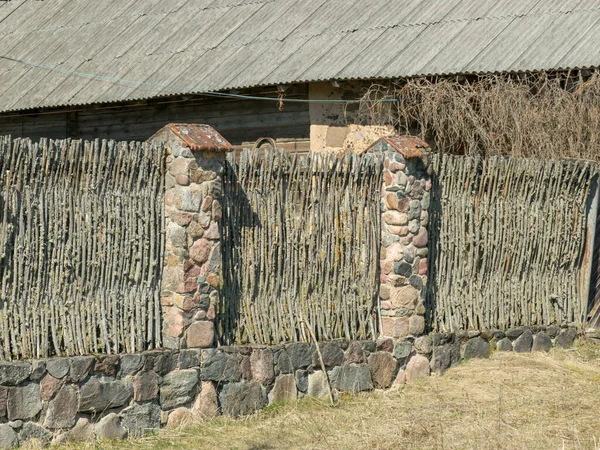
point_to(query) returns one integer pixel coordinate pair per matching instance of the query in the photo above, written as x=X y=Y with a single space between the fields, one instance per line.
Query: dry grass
x=539 y=401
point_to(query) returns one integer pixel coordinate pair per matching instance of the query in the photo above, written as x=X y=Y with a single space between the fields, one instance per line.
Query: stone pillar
x=405 y=203
x=192 y=262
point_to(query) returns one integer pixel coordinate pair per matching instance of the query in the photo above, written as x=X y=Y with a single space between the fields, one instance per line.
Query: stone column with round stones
x=192 y=262
x=404 y=239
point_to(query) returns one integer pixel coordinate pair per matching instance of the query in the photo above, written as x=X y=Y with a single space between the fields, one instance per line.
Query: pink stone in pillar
x=391 y=201
x=404 y=204
x=200 y=250
x=169 y=198
x=396 y=167
x=200 y=334
x=423 y=266
x=212 y=232
x=211 y=313
x=182 y=180
x=207 y=203
x=395 y=218
x=394 y=327
x=182 y=219
x=383 y=278
x=386 y=266
x=180 y=166
x=212 y=279
x=174 y=321
x=421 y=239
x=395 y=252
x=397 y=231
x=387 y=305
x=388 y=178
x=404 y=297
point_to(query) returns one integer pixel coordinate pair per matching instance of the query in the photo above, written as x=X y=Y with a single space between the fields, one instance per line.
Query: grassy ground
x=539 y=401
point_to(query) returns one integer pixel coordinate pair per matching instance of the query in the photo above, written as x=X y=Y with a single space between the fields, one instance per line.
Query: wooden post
x=192 y=262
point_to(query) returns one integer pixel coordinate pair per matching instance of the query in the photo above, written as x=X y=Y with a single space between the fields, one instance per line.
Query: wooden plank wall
x=237 y=120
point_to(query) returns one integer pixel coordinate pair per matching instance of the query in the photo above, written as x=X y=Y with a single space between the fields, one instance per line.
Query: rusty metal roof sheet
x=194 y=136
x=75 y=52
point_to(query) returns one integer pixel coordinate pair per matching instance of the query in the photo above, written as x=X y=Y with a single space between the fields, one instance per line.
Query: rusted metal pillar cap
x=407 y=146
x=196 y=137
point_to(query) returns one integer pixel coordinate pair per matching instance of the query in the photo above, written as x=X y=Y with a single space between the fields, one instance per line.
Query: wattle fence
x=301 y=247
x=80 y=247
x=507 y=242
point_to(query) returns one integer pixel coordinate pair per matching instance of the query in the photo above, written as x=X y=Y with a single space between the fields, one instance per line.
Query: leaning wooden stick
x=312 y=336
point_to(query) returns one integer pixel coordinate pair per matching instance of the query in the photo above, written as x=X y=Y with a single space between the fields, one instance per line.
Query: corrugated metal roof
x=73 y=52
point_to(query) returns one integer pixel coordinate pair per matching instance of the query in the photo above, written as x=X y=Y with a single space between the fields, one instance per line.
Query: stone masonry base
x=115 y=396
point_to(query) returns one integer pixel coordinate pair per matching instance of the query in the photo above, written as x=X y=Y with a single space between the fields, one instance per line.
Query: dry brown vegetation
x=556 y=116
x=538 y=401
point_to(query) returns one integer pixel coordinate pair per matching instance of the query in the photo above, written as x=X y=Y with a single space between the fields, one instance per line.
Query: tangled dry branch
x=542 y=115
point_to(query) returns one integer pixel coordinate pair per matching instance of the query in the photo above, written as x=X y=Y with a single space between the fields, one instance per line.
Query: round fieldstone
x=416 y=325
x=317 y=384
x=178 y=388
x=355 y=354
x=189 y=358
x=402 y=350
x=109 y=427
x=62 y=410
x=220 y=366
x=145 y=386
x=423 y=345
x=178 y=417
x=352 y=378
x=201 y=334
x=477 y=347
x=262 y=365
x=301 y=380
x=332 y=354
x=300 y=354
x=383 y=368
x=141 y=419
x=38 y=369
x=524 y=342
x=130 y=365
x=541 y=342
x=80 y=367
x=417 y=367
x=504 y=345
x=514 y=333
x=566 y=338
x=32 y=431
x=99 y=395
x=24 y=402
x=105 y=364
x=206 y=406
x=444 y=357
x=8 y=437
x=14 y=373
x=284 y=390
x=243 y=398
x=58 y=367
x=283 y=362
x=403 y=268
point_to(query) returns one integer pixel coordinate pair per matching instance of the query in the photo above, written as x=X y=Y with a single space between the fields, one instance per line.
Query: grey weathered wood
x=507 y=240
x=79 y=225
x=301 y=239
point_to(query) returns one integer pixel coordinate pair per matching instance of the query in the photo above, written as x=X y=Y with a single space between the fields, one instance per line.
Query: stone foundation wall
x=115 y=396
